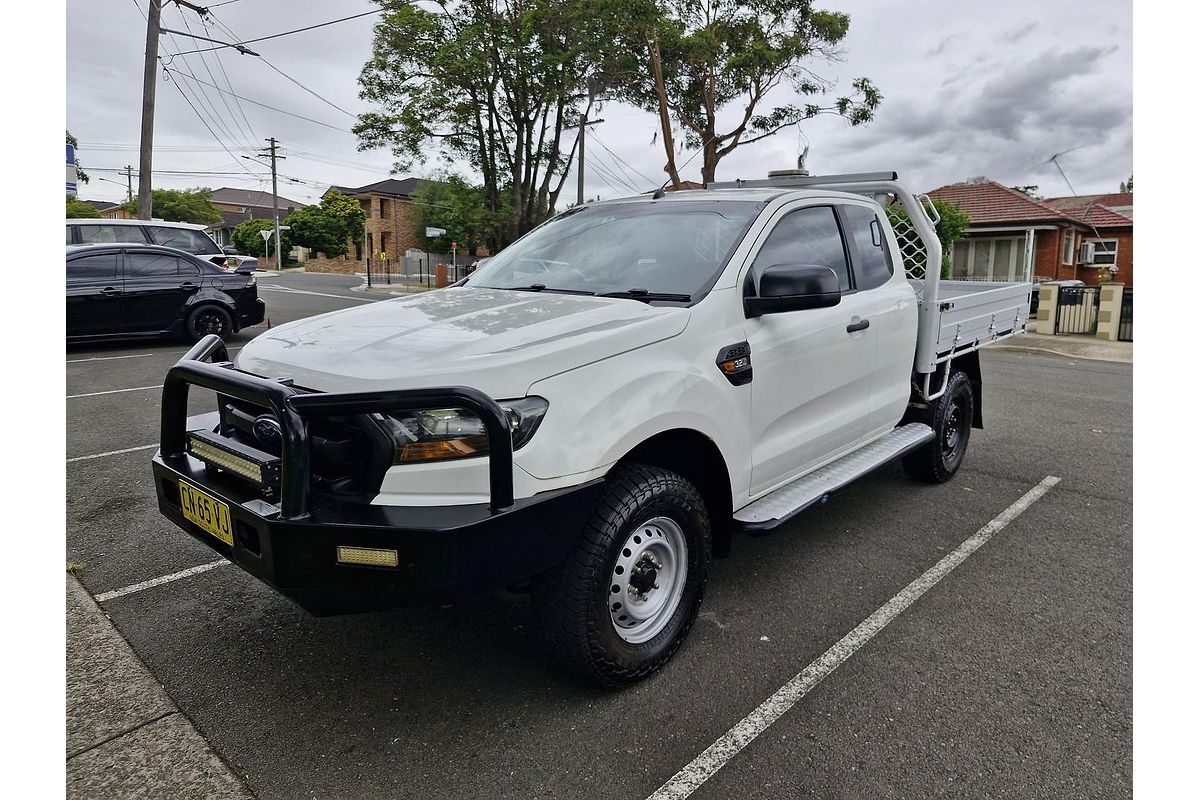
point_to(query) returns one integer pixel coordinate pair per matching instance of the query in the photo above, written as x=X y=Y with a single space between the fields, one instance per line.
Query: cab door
x=811 y=391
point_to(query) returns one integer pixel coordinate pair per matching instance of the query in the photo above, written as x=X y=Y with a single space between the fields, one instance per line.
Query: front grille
x=349 y=454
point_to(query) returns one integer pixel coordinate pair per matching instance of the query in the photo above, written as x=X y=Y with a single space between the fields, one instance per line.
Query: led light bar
x=245 y=462
x=367 y=556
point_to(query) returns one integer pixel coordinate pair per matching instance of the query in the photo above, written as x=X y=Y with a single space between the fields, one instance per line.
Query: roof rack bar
x=782 y=178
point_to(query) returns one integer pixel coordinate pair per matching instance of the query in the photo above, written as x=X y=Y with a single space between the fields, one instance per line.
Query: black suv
x=143 y=290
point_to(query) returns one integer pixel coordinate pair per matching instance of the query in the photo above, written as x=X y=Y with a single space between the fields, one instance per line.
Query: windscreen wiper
x=646 y=296
x=541 y=287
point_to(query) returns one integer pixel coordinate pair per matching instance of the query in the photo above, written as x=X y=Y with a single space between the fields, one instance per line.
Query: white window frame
x=1069 y=244
x=1103 y=250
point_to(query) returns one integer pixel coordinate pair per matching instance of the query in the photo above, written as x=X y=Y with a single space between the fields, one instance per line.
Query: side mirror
x=791 y=287
x=229 y=250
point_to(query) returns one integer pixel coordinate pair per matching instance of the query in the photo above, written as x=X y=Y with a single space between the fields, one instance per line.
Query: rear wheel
x=625 y=598
x=208 y=319
x=950 y=417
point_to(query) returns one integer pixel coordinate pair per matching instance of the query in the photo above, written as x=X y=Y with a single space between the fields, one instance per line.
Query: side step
x=776 y=508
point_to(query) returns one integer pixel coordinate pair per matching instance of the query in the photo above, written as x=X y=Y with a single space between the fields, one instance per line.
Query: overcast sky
x=970 y=88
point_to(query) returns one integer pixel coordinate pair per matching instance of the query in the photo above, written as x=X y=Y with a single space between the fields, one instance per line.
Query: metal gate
x=1125 y=328
x=1078 y=309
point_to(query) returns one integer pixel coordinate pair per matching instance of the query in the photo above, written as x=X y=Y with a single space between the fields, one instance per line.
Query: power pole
x=582 y=131
x=129 y=183
x=275 y=196
x=583 y=123
x=149 y=84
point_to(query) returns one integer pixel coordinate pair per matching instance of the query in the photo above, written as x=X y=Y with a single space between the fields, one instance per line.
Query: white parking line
x=323 y=294
x=115 y=391
x=718 y=754
x=112 y=453
x=150 y=584
x=106 y=358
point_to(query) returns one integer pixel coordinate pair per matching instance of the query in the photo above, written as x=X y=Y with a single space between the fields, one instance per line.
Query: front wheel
x=950 y=417
x=625 y=598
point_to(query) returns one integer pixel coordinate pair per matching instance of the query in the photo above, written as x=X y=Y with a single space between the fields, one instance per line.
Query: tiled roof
x=988 y=203
x=1115 y=200
x=249 y=197
x=390 y=187
x=1098 y=215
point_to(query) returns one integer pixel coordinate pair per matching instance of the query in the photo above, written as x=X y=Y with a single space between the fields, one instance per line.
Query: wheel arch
x=697 y=458
x=969 y=363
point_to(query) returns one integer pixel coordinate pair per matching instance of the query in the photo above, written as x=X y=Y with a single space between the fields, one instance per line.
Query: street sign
x=433 y=233
x=266 y=234
x=72 y=186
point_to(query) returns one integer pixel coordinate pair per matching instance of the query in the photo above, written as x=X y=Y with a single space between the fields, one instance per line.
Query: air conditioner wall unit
x=1087 y=253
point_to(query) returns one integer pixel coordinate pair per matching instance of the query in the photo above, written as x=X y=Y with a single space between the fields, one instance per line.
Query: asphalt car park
x=1008 y=678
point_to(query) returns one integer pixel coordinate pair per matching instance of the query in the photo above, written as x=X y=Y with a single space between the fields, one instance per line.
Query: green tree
x=329 y=227
x=181 y=205
x=686 y=60
x=80 y=175
x=77 y=209
x=1127 y=186
x=246 y=235
x=494 y=83
x=461 y=209
x=950 y=228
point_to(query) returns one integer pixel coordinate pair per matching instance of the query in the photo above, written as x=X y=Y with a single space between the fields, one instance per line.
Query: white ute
x=672 y=369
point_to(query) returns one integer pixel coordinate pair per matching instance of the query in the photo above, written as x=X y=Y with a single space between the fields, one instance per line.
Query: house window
x=1000 y=259
x=1106 y=252
x=1068 y=253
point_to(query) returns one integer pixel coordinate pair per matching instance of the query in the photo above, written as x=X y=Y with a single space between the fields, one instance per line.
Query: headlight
x=438 y=434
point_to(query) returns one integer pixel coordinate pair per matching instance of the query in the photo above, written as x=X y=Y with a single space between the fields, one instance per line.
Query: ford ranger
x=593 y=414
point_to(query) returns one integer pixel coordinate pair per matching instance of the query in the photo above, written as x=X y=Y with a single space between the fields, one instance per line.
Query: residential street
x=1009 y=678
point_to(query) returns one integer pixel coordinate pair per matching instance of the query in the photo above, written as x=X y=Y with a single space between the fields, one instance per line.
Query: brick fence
x=342 y=265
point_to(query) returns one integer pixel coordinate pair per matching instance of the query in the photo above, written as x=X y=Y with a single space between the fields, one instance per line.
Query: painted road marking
x=115 y=391
x=150 y=584
x=112 y=453
x=106 y=358
x=719 y=753
x=323 y=294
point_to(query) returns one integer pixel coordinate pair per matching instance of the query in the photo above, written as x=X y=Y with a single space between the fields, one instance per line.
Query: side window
x=70 y=236
x=110 y=234
x=100 y=267
x=872 y=260
x=188 y=241
x=150 y=265
x=807 y=236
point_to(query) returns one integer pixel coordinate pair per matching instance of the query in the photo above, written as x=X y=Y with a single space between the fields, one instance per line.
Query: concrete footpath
x=1088 y=348
x=125 y=737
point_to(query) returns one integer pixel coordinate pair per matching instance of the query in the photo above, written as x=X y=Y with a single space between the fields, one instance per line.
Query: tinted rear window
x=183 y=239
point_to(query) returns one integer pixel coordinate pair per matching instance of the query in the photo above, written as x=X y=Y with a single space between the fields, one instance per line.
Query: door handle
x=187 y=285
x=861 y=325
x=109 y=291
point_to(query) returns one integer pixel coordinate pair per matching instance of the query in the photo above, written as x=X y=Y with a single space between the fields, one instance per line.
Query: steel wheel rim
x=647 y=580
x=952 y=434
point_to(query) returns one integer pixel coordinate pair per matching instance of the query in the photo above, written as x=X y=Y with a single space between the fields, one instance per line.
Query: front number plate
x=206 y=511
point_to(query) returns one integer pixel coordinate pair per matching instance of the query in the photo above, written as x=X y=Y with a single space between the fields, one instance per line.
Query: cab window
x=188 y=241
x=872 y=259
x=808 y=236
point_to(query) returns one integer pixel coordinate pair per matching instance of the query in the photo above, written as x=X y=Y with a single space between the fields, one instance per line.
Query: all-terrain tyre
x=950 y=417
x=624 y=599
x=206 y=319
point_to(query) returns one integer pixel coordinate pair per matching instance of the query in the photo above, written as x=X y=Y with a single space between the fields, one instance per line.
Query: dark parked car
x=143 y=290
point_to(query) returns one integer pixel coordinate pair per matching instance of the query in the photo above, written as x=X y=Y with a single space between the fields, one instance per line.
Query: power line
x=203 y=122
x=264 y=105
x=621 y=161
x=224 y=102
x=287 y=33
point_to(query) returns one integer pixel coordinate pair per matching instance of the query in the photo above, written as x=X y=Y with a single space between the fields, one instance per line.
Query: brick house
x=1015 y=237
x=391 y=219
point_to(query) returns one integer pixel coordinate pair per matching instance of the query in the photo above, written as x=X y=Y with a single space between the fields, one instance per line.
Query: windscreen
x=672 y=247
